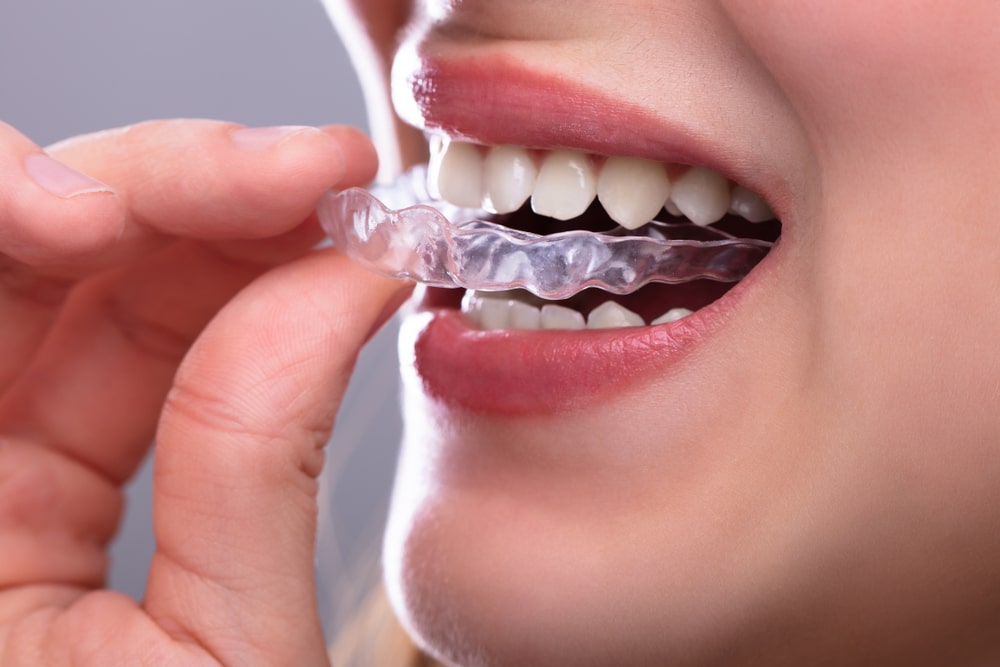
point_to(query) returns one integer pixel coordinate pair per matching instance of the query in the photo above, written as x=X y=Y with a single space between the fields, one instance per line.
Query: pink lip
x=495 y=100
x=542 y=372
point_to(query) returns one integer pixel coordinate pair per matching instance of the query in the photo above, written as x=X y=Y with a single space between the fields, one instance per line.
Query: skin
x=828 y=495
x=819 y=484
x=176 y=298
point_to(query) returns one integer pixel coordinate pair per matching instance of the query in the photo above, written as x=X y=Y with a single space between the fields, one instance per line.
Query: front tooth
x=566 y=185
x=494 y=314
x=701 y=195
x=523 y=316
x=632 y=190
x=472 y=304
x=509 y=176
x=672 y=209
x=610 y=315
x=455 y=174
x=488 y=311
x=671 y=315
x=749 y=205
x=560 y=317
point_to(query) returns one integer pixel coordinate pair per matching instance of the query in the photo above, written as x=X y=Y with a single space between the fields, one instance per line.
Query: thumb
x=238 y=456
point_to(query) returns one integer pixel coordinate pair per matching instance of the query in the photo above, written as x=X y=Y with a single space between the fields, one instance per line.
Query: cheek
x=876 y=70
x=898 y=101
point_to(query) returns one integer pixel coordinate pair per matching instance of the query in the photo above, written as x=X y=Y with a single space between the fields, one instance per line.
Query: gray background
x=72 y=66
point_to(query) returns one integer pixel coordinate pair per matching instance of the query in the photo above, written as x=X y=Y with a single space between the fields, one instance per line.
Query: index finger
x=195 y=179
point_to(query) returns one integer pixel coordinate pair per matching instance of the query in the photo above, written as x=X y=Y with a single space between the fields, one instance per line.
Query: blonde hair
x=373 y=637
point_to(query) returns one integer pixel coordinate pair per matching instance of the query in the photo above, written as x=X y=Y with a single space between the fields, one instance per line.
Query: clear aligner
x=419 y=241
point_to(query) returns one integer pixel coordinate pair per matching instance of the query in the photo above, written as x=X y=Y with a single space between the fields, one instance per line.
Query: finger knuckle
x=192 y=402
x=40 y=490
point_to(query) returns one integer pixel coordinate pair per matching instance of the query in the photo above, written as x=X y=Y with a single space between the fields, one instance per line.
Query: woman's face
x=804 y=470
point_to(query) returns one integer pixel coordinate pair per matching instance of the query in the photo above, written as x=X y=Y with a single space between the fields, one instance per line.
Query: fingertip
x=400 y=294
x=302 y=162
x=361 y=159
x=299 y=150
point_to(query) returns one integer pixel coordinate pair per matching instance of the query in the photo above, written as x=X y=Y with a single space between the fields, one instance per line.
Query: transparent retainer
x=404 y=238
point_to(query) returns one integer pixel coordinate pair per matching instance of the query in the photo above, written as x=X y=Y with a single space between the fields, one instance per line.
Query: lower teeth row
x=492 y=311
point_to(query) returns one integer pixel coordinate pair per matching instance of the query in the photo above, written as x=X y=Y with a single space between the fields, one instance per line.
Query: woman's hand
x=108 y=281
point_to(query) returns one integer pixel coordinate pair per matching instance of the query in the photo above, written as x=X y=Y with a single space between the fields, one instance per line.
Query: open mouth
x=561 y=239
x=549 y=192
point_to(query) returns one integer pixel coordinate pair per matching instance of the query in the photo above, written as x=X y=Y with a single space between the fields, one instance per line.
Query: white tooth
x=560 y=317
x=523 y=316
x=632 y=190
x=472 y=304
x=566 y=185
x=509 y=176
x=672 y=208
x=435 y=146
x=702 y=195
x=749 y=205
x=455 y=174
x=610 y=315
x=488 y=310
x=494 y=314
x=671 y=315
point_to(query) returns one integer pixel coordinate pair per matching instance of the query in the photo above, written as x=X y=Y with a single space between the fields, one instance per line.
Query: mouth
x=556 y=341
x=529 y=155
x=551 y=192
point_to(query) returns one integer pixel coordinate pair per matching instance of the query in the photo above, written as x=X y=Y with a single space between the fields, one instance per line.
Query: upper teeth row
x=562 y=184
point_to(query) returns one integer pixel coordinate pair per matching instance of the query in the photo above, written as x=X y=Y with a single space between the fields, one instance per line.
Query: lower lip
x=542 y=372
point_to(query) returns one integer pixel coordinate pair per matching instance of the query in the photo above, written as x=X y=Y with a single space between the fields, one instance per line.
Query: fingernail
x=262 y=138
x=60 y=180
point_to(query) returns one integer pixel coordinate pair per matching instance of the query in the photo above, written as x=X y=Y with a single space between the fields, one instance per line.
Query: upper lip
x=493 y=99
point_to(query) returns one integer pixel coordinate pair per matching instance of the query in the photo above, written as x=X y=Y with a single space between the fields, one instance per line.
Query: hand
x=111 y=286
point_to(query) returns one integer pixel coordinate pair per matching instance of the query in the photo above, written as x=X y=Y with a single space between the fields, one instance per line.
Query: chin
x=617 y=526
